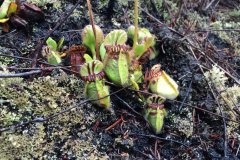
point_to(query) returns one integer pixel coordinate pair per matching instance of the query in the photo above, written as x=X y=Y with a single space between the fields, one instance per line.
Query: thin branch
x=43 y=62
x=24 y=74
x=114 y=124
x=18 y=57
x=57 y=114
x=4 y=35
x=154 y=18
x=206 y=8
x=198 y=108
x=219 y=106
x=188 y=91
x=93 y=27
x=217 y=30
x=129 y=107
x=238 y=149
x=156 y=137
x=135 y=23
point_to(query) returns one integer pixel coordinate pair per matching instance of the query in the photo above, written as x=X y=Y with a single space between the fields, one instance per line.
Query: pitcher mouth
x=156 y=106
x=116 y=49
x=93 y=77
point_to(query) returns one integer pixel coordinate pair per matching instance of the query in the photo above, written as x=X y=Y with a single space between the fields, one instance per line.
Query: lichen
x=184 y=124
x=229 y=95
x=65 y=135
x=43 y=3
x=3 y=59
x=224 y=27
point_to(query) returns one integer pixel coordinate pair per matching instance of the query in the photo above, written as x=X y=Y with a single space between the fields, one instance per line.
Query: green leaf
x=143 y=33
x=102 y=52
x=84 y=70
x=52 y=44
x=116 y=37
x=54 y=58
x=4 y=8
x=98 y=67
x=60 y=44
x=142 y=48
x=139 y=50
x=89 y=39
x=123 y=68
x=87 y=58
x=131 y=31
x=134 y=83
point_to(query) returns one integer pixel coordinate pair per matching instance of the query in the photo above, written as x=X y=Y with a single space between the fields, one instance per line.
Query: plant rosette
x=52 y=51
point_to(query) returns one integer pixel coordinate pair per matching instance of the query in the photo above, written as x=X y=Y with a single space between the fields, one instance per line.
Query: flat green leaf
x=143 y=33
x=123 y=68
x=116 y=37
x=87 y=58
x=98 y=66
x=4 y=8
x=60 y=44
x=142 y=48
x=130 y=31
x=52 y=44
x=54 y=58
x=84 y=70
x=139 y=50
x=102 y=52
x=88 y=38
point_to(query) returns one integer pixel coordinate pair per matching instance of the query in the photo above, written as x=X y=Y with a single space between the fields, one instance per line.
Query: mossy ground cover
x=188 y=132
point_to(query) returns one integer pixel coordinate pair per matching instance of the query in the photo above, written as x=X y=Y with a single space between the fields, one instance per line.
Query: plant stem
x=135 y=23
x=93 y=27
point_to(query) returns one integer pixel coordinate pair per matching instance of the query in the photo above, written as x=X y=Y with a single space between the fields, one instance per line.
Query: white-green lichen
x=42 y=3
x=184 y=124
x=229 y=95
x=22 y=100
